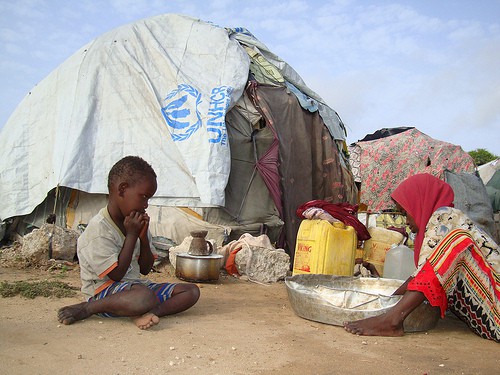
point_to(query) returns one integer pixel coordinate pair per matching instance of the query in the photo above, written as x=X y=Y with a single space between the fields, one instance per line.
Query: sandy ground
x=237 y=327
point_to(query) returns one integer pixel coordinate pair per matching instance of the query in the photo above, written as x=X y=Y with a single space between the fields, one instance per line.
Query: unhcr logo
x=177 y=112
x=184 y=121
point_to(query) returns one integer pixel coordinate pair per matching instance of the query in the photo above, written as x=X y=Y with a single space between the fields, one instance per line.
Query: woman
x=458 y=265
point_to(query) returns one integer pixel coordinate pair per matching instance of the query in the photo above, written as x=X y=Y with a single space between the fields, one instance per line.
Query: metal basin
x=198 y=268
x=337 y=299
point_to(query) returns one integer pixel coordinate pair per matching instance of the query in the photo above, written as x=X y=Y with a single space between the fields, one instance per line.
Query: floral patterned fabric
x=383 y=163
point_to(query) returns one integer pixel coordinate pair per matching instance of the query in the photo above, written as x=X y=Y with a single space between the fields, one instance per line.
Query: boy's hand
x=143 y=235
x=134 y=223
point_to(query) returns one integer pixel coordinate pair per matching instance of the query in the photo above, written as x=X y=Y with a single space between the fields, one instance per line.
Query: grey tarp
x=472 y=199
x=249 y=207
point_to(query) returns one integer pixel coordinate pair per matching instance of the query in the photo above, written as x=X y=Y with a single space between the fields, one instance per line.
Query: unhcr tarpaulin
x=170 y=76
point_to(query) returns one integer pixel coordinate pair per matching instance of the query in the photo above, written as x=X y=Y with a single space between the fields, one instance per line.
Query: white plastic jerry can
x=399 y=263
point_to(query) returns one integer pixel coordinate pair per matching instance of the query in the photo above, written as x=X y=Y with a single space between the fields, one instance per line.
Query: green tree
x=482 y=156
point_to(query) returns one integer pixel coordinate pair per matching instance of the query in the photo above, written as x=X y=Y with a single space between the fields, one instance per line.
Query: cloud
x=379 y=64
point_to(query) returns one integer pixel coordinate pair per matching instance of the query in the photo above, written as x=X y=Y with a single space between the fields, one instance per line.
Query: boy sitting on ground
x=115 y=249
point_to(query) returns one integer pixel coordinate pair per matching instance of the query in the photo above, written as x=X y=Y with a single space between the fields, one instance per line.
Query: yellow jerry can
x=379 y=244
x=324 y=248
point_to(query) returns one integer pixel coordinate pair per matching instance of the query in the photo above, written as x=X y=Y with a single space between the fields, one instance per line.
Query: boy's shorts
x=162 y=291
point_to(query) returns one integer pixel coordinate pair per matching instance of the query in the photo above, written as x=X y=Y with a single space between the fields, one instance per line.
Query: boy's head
x=130 y=169
x=131 y=183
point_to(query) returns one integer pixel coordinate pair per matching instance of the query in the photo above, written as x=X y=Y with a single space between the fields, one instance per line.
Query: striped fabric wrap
x=468 y=285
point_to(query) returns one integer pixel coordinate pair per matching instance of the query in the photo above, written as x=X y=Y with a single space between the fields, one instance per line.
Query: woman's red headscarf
x=420 y=195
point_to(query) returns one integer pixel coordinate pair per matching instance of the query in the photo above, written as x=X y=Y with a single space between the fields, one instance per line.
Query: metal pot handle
x=211 y=248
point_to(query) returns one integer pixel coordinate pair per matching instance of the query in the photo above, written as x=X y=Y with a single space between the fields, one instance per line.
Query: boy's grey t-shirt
x=98 y=248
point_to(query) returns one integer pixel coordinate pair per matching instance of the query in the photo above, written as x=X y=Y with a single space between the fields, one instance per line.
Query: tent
x=490 y=174
x=487 y=170
x=383 y=159
x=493 y=189
x=232 y=131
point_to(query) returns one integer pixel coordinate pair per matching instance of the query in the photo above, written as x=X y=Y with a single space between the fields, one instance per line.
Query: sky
x=434 y=65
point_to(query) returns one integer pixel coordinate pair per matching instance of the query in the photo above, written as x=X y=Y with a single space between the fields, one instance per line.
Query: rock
x=262 y=264
x=33 y=248
x=62 y=241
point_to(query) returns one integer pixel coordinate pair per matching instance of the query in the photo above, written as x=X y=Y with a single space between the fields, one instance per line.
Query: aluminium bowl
x=337 y=299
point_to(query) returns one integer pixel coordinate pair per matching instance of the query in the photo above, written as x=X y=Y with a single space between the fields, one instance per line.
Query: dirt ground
x=237 y=327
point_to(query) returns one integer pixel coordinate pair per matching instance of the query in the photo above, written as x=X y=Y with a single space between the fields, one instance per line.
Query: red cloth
x=427 y=282
x=420 y=195
x=231 y=264
x=344 y=212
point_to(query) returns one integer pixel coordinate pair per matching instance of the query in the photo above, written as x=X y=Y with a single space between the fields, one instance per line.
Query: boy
x=115 y=249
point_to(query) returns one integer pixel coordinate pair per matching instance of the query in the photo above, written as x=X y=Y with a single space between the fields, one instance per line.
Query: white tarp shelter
x=179 y=74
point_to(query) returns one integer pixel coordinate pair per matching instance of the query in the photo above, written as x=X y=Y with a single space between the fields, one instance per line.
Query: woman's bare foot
x=146 y=321
x=70 y=314
x=376 y=326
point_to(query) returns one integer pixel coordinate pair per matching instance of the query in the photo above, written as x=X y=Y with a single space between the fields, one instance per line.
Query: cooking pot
x=198 y=268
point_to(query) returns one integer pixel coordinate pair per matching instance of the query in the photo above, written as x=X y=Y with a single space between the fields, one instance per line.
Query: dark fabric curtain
x=309 y=162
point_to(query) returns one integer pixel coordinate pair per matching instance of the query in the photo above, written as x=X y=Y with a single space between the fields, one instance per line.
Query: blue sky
x=430 y=64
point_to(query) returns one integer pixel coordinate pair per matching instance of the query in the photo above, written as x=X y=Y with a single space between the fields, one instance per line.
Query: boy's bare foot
x=146 y=321
x=70 y=314
x=375 y=326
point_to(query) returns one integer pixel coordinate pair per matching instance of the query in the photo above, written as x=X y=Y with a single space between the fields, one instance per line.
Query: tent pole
x=53 y=219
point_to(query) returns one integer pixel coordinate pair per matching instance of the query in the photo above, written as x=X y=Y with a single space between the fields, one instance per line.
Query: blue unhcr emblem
x=177 y=112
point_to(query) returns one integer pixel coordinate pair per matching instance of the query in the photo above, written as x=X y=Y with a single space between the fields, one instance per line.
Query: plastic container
x=379 y=244
x=324 y=248
x=399 y=263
